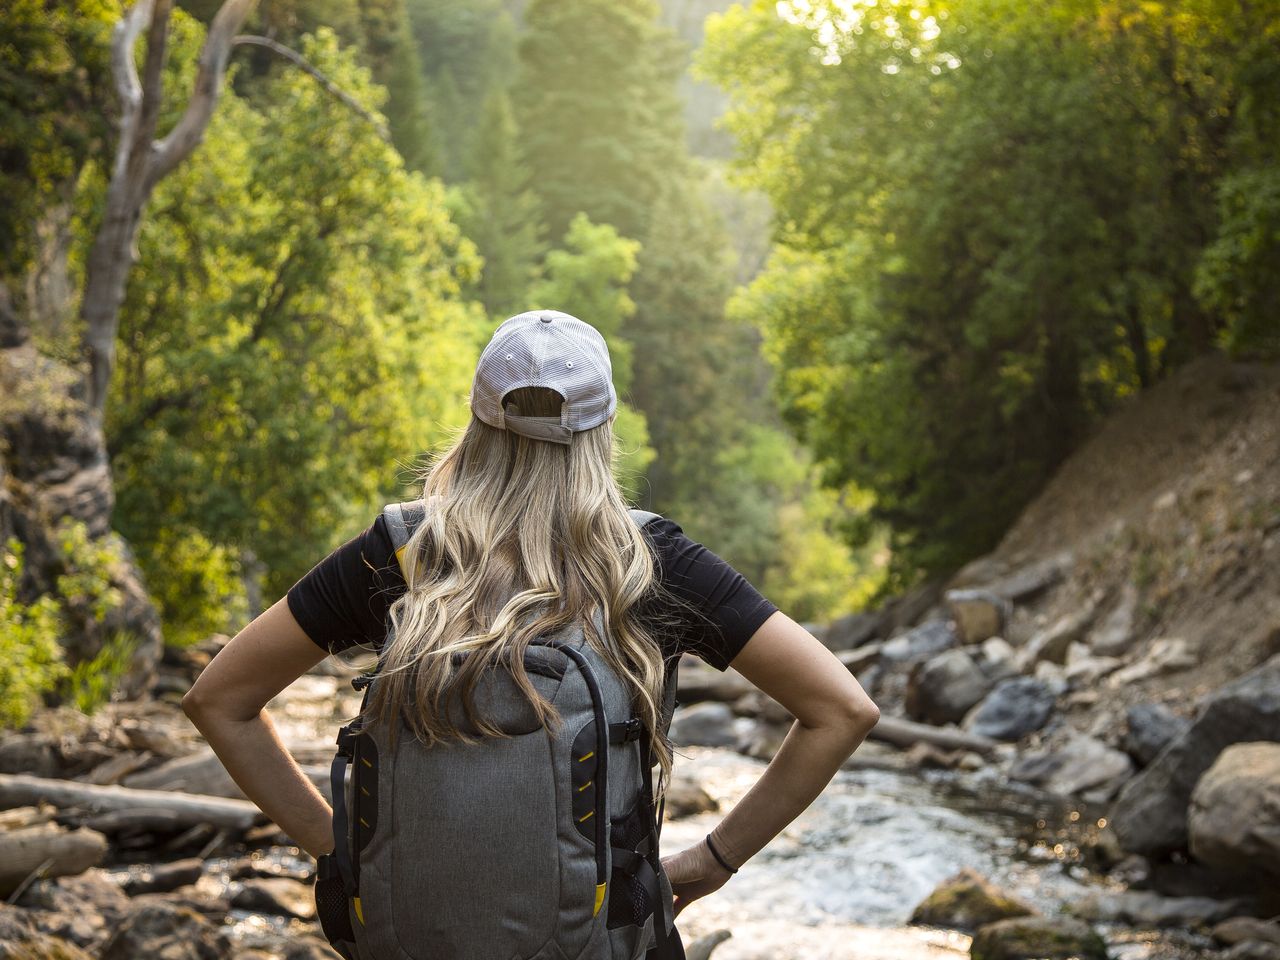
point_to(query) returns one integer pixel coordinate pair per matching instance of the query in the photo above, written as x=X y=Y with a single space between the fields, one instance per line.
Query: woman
x=527 y=530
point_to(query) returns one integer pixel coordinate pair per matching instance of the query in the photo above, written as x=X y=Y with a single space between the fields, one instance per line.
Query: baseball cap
x=545 y=348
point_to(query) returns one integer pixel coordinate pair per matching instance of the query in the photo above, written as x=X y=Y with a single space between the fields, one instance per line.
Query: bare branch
x=124 y=37
x=301 y=62
x=189 y=131
x=152 y=94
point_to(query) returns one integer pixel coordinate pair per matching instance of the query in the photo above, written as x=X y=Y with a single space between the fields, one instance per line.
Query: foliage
x=54 y=90
x=30 y=655
x=588 y=278
x=596 y=101
x=988 y=219
x=91 y=568
x=92 y=682
x=196 y=583
x=293 y=329
x=500 y=213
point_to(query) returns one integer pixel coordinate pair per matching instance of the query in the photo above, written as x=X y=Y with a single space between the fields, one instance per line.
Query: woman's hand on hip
x=693 y=873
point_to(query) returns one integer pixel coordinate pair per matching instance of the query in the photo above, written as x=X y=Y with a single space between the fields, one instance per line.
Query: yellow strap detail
x=364 y=821
x=587 y=757
x=599 y=898
x=580 y=819
x=364 y=791
x=400 y=557
x=585 y=785
x=359 y=912
x=365 y=762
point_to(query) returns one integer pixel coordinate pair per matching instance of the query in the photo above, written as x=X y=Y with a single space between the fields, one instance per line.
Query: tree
x=500 y=212
x=597 y=106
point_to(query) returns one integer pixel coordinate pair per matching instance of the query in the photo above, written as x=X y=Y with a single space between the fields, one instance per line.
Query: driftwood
x=48 y=849
x=904 y=733
x=204 y=774
x=18 y=790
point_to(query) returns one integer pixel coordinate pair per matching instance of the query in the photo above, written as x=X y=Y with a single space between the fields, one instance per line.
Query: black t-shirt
x=343 y=600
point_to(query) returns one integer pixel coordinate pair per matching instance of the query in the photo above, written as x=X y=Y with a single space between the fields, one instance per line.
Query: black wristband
x=719 y=859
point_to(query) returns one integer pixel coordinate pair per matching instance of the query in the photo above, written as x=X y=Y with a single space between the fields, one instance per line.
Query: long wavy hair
x=544 y=527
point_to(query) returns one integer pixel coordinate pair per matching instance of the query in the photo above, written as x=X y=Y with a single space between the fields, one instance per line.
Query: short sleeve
x=719 y=608
x=343 y=600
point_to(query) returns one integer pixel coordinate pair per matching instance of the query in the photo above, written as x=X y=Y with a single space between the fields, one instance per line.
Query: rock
x=1150 y=814
x=1253 y=950
x=160 y=931
x=30 y=753
x=1085 y=669
x=21 y=940
x=979 y=614
x=278 y=895
x=307 y=948
x=758 y=704
x=1037 y=938
x=1015 y=707
x=1081 y=764
x=1145 y=908
x=701 y=948
x=1167 y=655
x=1052 y=643
x=685 y=797
x=1241 y=929
x=214 y=906
x=944 y=688
x=967 y=901
x=1017 y=585
x=860 y=658
x=704 y=725
x=853 y=630
x=162 y=877
x=932 y=636
x=1150 y=727
x=760 y=739
x=1114 y=634
x=1234 y=818
x=700 y=681
x=996 y=657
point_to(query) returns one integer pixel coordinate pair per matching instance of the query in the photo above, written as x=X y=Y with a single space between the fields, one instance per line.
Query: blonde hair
x=546 y=525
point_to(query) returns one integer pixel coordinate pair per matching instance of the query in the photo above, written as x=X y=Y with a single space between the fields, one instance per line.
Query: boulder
x=931 y=637
x=1150 y=727
x=708 y=724
x=1015 y=707
x=160 y=931
x=967 y=901
x=1150 y=814
x=1082 y=765
x=1234 y=818
x=853 y=630
x=163 y=877
x=1037 y=938
x=945 y=687
x=1252 y=950
x=1114 y=634
x=979 y=614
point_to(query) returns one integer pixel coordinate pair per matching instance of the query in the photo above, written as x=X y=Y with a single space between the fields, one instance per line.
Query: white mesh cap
x=545 y=348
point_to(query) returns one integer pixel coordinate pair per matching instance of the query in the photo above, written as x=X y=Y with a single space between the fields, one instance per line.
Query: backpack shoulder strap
x=402 y=519
x=641 y=517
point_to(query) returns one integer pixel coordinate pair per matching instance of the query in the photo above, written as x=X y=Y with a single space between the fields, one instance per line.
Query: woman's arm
x=227 y=704
x=833 y=716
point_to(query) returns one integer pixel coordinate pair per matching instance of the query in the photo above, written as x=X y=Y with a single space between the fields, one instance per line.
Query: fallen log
x=18 y=790
x=50 y=849
x=904 y=733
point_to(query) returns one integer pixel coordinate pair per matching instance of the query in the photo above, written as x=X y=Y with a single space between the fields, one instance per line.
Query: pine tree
x=500 y=212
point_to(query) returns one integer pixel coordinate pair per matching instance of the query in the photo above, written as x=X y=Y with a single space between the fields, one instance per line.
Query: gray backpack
x=528 y=847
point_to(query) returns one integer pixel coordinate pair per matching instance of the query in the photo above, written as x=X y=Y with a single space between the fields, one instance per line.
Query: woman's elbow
x=860 y=716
